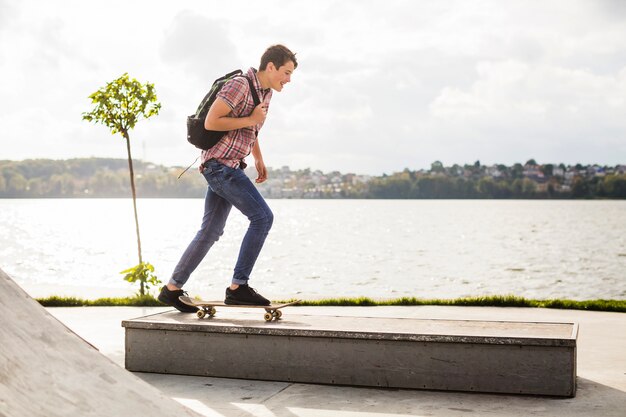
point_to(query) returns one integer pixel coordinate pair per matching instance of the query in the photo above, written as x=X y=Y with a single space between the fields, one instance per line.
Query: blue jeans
x=228 y=187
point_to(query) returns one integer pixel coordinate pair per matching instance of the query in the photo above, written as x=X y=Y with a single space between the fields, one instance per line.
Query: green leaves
x=144 y=273
x=122 y=103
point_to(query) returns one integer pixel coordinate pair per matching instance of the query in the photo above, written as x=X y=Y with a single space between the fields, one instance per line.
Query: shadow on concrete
x=47 y=370
x=229 y=398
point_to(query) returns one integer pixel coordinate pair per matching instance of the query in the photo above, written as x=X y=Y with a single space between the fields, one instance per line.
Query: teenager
x=223 y=168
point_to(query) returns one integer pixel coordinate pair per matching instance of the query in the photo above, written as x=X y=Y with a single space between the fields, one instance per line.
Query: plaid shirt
x=237 y=144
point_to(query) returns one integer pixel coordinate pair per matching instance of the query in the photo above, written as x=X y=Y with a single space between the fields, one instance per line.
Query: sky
x=381 y=85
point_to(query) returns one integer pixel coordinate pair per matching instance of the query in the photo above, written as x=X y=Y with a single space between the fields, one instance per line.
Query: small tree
x=119 y=106
x=144 y=273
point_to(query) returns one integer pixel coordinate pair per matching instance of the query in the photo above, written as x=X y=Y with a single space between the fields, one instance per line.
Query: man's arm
x=258 y=163
x=217 y=117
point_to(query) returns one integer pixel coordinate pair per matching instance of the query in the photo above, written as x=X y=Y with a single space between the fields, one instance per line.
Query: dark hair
x=278 y=55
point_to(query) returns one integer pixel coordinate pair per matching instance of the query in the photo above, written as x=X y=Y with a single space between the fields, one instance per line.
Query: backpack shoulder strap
x=255 y=95
x=229 y=75
x=255 y=98
x=209 y=98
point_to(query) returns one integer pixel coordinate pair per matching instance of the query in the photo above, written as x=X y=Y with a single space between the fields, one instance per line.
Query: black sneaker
x=171 y=299
x=245 y=295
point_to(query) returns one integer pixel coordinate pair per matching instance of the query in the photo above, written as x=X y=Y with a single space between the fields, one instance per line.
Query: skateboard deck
x=207 y=308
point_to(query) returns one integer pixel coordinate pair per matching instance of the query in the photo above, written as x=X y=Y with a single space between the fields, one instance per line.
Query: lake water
x=329 y=248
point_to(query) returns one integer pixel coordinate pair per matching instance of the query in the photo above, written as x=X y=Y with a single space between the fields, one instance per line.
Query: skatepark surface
x=46 y=369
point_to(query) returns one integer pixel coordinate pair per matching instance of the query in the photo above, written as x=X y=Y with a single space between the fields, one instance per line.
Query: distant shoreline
x=109 y=178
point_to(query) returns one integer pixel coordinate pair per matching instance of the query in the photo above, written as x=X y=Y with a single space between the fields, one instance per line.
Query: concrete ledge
x=460 y=355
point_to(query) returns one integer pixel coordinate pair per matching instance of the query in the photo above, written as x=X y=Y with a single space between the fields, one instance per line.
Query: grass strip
x=487 y=301
x=136 y=301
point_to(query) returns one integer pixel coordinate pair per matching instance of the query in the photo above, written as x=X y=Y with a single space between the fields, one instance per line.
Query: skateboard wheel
x=201 y=314
x=278 y=314
x=268 y=317
x=212 y=311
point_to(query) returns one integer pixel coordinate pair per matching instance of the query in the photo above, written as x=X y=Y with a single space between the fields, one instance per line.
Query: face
x=281 y=76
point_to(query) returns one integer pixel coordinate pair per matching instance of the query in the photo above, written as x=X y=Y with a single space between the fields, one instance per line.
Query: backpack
x=197 y=135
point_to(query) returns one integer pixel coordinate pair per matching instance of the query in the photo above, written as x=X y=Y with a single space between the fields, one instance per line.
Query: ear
x=271 y=67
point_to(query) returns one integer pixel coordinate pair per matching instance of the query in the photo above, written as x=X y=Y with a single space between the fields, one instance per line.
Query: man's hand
x=259 y=114
x=261 y=170
x=258 y=163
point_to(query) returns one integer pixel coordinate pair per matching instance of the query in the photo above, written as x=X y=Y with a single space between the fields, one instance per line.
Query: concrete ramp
x=47 y=370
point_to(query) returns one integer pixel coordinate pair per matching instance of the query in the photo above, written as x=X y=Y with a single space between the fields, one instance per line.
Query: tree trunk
x=132 y=187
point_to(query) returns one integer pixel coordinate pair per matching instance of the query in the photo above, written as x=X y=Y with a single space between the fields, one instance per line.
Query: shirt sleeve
x=234 y=92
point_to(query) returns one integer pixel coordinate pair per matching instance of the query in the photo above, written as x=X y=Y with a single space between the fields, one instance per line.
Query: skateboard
x=272 y=311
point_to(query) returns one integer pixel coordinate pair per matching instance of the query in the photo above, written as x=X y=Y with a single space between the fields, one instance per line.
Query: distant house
x=600 y=172
x=533 y=172
x=361 y=179
x=570 y=174
x=494 y=172
x=595 y=171
x=558 y=172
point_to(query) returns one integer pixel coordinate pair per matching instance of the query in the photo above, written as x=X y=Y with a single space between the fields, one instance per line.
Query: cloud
x=613 y=8
x=514 y=91
x=199 y=44
x=465 y=83
x=550 y=110
x=380 y=86
x=363 y=112
x=7 y=14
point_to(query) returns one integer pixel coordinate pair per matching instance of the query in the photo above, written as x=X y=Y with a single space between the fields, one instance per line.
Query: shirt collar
x=252 y=73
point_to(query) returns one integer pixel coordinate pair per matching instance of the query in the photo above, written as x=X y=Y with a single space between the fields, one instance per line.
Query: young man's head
x=277 y=65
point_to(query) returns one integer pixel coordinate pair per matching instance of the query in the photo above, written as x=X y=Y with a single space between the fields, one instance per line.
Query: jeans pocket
x=216 y=174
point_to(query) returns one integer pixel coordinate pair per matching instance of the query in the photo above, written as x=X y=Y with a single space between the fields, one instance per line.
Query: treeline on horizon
x=108 y=178
x=528 y=181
